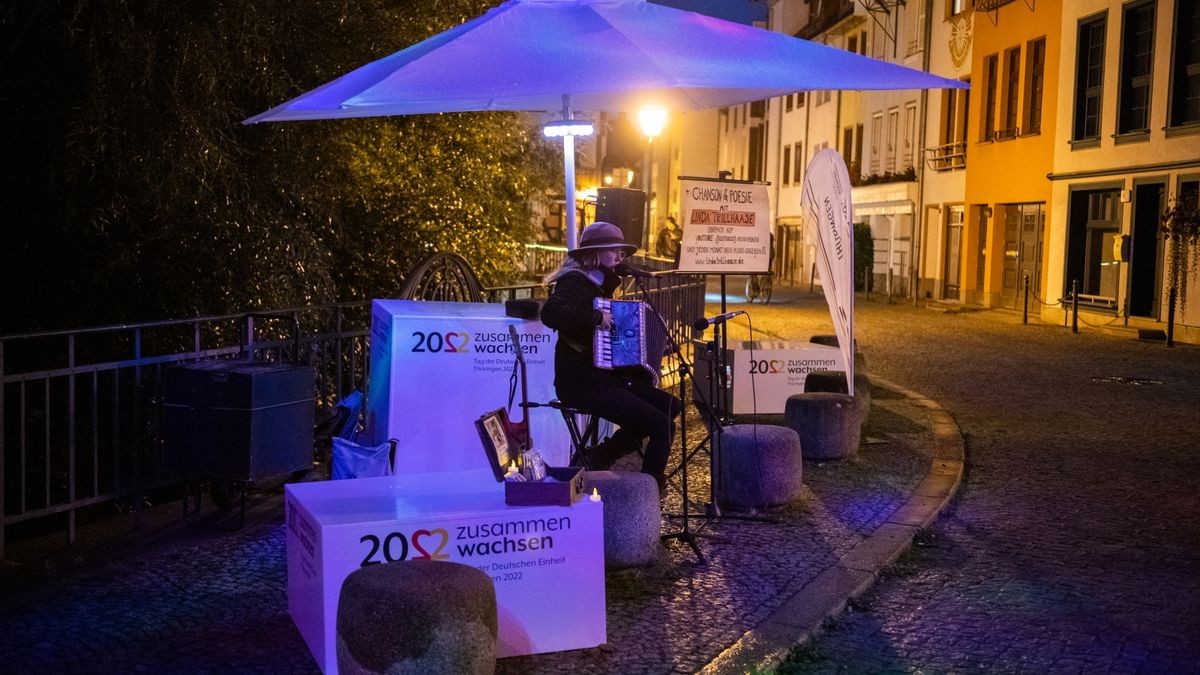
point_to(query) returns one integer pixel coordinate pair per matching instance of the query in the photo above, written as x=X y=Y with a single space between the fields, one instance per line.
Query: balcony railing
x=946 y=157
x=1006 y=134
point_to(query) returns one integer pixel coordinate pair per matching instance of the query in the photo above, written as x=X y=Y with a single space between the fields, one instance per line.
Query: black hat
x=601 y=235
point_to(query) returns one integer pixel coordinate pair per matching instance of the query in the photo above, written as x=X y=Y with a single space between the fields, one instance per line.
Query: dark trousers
x=641 y=410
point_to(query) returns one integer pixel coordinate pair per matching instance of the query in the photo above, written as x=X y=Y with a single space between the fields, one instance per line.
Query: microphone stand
x=721 y=415
x=686 y=535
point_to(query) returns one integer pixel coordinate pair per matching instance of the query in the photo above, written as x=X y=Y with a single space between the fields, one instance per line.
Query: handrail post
x=1074 y=305
x=1025 y=305
x=1171 y=317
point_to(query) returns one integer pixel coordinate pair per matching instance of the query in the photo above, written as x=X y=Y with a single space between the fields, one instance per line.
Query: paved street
x=1073 y=544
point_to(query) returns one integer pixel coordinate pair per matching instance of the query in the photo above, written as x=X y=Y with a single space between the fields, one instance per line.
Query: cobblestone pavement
x=1073 y=544
x=181 y=599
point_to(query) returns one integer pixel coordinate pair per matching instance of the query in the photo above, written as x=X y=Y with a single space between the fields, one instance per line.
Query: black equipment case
x=239 y=419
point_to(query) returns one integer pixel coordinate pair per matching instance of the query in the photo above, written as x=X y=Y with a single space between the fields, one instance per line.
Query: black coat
x=569 y=310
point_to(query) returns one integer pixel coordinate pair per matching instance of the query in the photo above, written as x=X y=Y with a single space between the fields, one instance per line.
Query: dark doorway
x=1144 y=267
x=952 y=270
x=1023 y=227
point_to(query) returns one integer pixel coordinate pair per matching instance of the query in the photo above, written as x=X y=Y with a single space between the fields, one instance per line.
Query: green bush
x=137 y=194
x=864 y=257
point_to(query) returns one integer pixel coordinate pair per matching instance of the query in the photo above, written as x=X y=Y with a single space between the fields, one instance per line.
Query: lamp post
x=652 y=119
x=568 y=128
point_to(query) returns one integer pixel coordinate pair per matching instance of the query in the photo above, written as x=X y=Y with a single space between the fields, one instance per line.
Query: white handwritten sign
x=726 y=227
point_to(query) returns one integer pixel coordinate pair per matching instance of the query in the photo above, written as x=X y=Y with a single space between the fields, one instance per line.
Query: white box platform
x=765 y=373
x=547 y=562
x=436 y=367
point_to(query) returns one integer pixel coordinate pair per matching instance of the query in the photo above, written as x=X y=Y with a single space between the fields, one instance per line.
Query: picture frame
x=498 y=444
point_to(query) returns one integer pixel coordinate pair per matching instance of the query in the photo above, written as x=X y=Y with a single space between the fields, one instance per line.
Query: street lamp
x=568 y=128
x=652 y=119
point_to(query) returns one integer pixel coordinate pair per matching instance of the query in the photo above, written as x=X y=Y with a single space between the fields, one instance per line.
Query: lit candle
x=595 y=495
x=512 y=470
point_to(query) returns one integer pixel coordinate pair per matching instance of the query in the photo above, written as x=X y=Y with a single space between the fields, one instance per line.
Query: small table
x=547 y=562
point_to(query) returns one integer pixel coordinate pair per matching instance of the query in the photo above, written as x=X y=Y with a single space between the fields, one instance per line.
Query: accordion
x=635 y=339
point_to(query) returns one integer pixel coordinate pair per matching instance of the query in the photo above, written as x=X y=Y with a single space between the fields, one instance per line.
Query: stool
x=828 y=424
x=580 y=440
x=759 y=465
x=417 y=616
x=632 y=516
x=860 y=363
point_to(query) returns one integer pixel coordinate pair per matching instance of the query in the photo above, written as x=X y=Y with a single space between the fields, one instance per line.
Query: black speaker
x=624 y=208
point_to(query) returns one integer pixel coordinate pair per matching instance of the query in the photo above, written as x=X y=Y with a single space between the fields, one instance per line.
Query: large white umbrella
x=592 y=55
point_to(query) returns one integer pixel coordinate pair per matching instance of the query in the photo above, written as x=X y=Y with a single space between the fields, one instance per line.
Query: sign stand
x=726 y=230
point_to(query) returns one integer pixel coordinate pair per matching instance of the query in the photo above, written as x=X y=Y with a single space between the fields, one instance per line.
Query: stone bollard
x=828 y=424
x=860 y=363
x=759 y=465
x=632 y=516
x=834 y=381
x=417 y=616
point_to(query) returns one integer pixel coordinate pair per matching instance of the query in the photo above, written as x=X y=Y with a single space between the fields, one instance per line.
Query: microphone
x=702 y=323
x=626 y=270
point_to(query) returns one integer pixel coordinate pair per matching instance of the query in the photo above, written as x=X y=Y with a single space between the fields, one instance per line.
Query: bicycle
x=759 y=287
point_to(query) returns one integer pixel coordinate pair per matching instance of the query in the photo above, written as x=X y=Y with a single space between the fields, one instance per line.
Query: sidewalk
x=181 y=598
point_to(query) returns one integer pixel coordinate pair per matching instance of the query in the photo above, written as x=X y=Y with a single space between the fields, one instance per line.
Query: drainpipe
x=918 y=261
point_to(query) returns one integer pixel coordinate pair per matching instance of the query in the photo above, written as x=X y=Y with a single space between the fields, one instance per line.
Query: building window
x=1012 y=81
x=958 y=7
x=852 y=44
x=876 y=136
x=787 y=165
x=800 y=100
x=909 y=160
x=951 y=153
x=723 y=114
x=858 y=145
x=787 y=105
x=1137 y=53
x=1035 y=84
x=916 y=27
x=1185 y=65
x=949 y=116
x=988 y=126
x=893 y=147
x=1089 y=79
x=798 y=158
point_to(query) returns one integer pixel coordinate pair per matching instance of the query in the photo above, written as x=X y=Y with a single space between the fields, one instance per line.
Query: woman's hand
x=606 y=320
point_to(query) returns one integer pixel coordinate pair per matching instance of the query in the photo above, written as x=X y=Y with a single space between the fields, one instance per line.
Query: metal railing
x=946 y=157
x=80 y=422
x=80 y=410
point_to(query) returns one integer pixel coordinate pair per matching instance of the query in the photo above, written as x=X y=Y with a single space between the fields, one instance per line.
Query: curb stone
x=794 y=624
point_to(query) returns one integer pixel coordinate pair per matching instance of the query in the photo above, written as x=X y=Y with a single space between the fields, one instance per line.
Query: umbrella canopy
x=594 y=55
x=605 y=55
